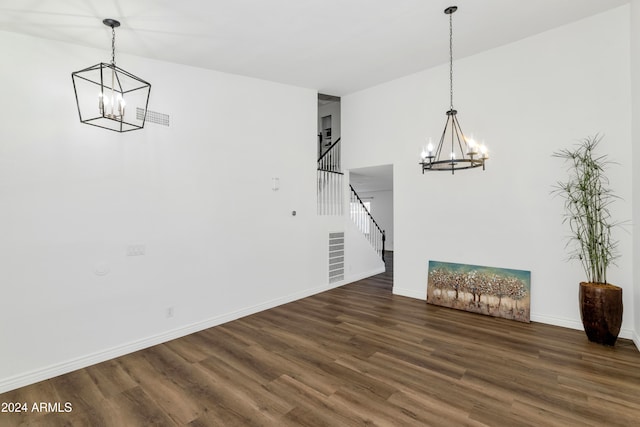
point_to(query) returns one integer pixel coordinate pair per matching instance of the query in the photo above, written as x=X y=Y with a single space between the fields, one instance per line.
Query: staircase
x=363 y=219
x=331 y=200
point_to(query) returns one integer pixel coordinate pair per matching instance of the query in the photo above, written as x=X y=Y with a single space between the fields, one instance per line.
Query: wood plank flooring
x=356 y=355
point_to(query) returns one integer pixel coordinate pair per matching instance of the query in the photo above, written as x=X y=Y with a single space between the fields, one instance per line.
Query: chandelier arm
x=441 y=143
x=88 y=80
x=128 y=74
x=101 y=88
x=445 y=165
x=453 y=136
x=459 y=136
x=119 y=84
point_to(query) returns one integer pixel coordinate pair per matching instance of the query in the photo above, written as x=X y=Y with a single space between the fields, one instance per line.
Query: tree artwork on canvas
x=498 y=292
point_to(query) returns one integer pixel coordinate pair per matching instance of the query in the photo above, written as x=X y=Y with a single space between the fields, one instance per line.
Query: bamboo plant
x=587 y=198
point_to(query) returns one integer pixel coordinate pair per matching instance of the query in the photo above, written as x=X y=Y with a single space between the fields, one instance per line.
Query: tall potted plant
x=587 y=198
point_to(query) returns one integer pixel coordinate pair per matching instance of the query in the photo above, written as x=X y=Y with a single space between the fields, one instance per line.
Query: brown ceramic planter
x=601 y=311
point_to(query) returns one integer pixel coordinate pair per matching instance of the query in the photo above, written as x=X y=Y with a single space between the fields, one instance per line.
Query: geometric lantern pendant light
x=454 y=151
x=110 y=97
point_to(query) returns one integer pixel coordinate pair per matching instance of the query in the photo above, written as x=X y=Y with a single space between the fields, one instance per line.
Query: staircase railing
x=330 y=187
x=330 y=160
x=366 y=224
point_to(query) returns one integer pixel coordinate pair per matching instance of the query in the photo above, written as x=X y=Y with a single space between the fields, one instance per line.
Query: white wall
x=382 y=211
x=526 y=99
x=635 y=91
x=219 y=242
x=361 y=260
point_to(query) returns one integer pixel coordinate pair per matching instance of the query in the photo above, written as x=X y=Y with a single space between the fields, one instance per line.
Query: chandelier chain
x=113 y=45
x=451 y=58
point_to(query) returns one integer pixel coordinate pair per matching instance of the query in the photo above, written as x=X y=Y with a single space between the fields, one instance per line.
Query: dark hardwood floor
x=355 y=355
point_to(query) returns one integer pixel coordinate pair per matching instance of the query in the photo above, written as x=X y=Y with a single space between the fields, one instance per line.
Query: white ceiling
x=334 y=46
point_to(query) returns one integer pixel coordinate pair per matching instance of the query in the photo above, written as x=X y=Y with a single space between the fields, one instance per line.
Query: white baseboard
x=557 y=321
x=629 y=335
x=411 y=293
x=21 y=380
x=574 y=324
x=549 y=320
x=355 y=277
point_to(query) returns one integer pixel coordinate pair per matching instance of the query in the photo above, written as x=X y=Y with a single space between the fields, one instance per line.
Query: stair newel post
x=384 y=238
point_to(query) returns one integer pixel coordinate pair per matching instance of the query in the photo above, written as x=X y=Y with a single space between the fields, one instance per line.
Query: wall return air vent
x=336 y=257
x=153 y=117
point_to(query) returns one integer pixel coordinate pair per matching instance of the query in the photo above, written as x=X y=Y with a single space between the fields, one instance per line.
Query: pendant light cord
x=451 y=58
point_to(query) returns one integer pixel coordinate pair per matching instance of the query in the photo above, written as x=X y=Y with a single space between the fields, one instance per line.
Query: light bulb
x=484 y=151
x=101 y=103
x=121 y=105
x=430 y=147
x=471 y=146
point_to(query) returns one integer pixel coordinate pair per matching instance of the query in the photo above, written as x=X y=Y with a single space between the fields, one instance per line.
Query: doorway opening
x=374 y=186
x=328 y=122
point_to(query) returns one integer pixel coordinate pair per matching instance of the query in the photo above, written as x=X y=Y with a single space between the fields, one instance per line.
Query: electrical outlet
x=136 y=250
